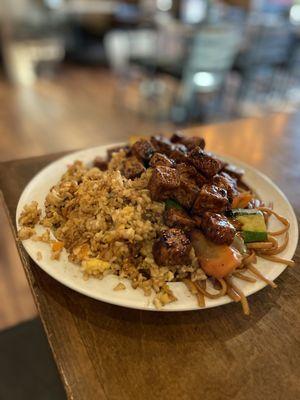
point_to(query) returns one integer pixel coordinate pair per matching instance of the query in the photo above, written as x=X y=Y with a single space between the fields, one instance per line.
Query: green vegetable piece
x=245 y=211
x=172 y=204
x=253 y=225
x=254 y=236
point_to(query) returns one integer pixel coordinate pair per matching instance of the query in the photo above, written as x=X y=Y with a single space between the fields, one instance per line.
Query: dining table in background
x=112 y=353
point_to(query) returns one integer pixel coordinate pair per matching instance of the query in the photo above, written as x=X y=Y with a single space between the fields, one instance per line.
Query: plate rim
x=130 y=303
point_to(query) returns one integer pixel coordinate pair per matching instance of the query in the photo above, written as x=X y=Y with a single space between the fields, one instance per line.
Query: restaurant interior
x=81 y=73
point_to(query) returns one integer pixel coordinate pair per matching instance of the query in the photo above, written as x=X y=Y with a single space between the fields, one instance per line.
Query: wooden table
x=108 y=352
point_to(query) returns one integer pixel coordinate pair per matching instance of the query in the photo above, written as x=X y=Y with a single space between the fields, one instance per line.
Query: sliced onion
x=239 y=244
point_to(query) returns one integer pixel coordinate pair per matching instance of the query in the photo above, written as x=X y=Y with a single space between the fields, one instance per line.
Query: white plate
x=69 y=274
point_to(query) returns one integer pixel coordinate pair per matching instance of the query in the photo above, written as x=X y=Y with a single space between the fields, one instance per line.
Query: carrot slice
x=216 y=260
x=241 y=200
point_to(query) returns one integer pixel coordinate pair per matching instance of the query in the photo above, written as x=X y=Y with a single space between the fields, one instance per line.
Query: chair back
x=121 y=45
x=211 y=56
x=267 y=45
x=213 y=49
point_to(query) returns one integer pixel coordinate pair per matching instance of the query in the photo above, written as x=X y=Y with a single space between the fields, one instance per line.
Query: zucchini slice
x=253 y=224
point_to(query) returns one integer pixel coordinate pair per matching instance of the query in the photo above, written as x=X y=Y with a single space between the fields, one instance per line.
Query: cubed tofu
x=188 y=189
x=162 y=182
x=143 y=150
x=225 y=181
x=132 y=168
x=217 y=228
x=204 y=163
x=101 y=163
x=172 y=248
x=177 y=218
x=159 y=159
x=193 y=141
x=211 y=198
x=177 y=137
x=186 y=193
x=162 y=144
x=116 y=149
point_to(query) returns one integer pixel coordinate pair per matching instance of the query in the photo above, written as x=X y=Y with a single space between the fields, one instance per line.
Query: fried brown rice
x=107 y=224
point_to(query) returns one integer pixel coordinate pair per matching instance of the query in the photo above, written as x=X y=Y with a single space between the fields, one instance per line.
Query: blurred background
x=76 y=73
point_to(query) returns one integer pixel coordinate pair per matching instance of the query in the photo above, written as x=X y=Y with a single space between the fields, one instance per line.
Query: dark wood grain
x=109 y=352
